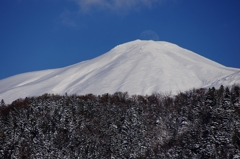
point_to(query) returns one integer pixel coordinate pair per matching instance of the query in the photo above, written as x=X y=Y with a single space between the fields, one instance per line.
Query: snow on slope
x=138 y=67
x=232 y=79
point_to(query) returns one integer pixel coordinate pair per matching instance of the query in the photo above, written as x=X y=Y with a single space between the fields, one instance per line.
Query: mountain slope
x=138 y=67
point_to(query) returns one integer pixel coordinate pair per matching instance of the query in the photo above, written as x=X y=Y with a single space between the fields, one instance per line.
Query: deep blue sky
x=45 y=34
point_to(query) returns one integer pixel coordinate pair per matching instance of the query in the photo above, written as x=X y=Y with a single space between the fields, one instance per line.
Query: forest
x=200 y=123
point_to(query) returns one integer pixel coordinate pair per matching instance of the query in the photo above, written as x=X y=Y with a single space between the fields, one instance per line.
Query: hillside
x=199 y=124
x=137 y=67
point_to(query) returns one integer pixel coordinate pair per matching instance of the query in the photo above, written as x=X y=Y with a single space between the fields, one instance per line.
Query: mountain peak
x=141 y=43
x=137 y=67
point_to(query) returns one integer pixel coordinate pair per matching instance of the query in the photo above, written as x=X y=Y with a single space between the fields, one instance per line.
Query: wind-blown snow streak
x=138 y=67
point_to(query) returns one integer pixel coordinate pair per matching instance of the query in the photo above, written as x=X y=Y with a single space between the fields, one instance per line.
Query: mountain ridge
x=138 y=67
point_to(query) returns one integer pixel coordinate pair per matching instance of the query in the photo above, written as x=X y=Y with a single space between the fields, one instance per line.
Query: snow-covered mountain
x=138 y=67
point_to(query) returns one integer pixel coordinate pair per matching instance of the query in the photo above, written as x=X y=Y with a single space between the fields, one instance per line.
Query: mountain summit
x=138 y=67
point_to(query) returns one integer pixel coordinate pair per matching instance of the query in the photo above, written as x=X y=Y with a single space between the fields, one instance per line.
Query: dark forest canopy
x=201 y=123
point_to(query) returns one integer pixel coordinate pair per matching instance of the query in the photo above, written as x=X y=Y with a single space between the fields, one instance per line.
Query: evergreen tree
x=2 y=104
x=196 y=124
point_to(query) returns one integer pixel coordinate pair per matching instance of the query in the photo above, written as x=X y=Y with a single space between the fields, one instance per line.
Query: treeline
x=201 y=123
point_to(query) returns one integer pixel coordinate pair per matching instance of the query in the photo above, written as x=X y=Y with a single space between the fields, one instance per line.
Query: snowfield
x=137 y=67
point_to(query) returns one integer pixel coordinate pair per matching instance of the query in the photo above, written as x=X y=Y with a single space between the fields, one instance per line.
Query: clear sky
x=45 y=34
